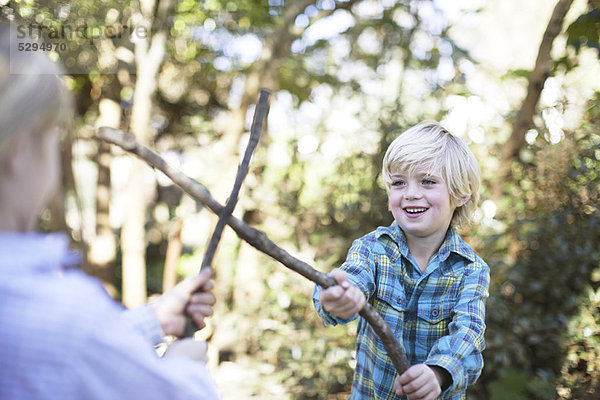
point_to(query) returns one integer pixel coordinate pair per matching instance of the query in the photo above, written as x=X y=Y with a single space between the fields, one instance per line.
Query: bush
x=543 y=328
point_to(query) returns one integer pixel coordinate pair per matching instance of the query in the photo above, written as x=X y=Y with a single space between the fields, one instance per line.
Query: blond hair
x=431 y=147
x=33 y=98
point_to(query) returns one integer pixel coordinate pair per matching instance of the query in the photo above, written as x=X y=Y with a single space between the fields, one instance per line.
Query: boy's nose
x=413 y=192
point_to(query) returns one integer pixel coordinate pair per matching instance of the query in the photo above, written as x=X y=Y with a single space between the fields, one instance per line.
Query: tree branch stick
x=254 y=237
x=262 y=106
x=260 y=112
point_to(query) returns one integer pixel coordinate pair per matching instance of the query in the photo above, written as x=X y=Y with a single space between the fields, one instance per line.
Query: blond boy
x=424 y=280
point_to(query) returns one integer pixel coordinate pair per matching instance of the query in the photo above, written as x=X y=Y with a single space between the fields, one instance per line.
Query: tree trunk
x=173 y=253
x=539 y=74
x=149 y=54
x=102 y=251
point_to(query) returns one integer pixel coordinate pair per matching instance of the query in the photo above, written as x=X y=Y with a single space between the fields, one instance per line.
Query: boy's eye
x=428 y=181
x=398 y=182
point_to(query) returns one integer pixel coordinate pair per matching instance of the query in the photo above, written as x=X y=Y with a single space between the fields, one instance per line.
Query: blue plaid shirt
x=438 y=315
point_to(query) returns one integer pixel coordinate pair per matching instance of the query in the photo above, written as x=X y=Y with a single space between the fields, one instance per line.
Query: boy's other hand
x=171 y=306
x=343 y=300
x=419 y=382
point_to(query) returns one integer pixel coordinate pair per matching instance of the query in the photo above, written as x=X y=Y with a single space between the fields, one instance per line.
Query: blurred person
x=61 y=335
x=423 y=279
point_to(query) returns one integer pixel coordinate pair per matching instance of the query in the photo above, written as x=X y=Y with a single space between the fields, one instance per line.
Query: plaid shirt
x=437 y=315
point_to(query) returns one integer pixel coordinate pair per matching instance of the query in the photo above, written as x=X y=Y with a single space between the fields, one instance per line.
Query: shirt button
x=435 y=312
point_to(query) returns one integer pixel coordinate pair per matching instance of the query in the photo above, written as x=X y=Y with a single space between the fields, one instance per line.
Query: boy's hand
x=169 y=308
x=342 y=300
x=420 y=382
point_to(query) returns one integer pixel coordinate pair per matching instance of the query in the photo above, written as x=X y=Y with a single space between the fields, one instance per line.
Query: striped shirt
x=437 y=315
x=62 y=337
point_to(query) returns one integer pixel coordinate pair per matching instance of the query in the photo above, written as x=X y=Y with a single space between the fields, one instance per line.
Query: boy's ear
x=463 y=200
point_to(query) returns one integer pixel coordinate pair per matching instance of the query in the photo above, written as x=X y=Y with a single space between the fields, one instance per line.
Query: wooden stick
x=254 y=237
x=262 y=107
x=260 y=112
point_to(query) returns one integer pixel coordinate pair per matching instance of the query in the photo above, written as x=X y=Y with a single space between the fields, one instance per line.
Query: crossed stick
x=252 y=236
x=262 y=107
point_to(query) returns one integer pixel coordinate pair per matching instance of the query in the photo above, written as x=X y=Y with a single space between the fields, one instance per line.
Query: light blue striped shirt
x=62 y=337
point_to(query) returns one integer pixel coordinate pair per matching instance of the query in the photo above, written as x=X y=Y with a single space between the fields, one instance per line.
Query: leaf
x=585 y=31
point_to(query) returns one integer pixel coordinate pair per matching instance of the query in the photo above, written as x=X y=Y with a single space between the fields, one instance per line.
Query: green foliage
x=580 y=377
x=86 y=29
x=511 y=385
x=542 y=325
x=585 y=31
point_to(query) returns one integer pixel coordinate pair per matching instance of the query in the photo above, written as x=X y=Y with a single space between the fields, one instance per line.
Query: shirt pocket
x=434 y=317
x=437 y=301
x=390 y=302
x=435 y=312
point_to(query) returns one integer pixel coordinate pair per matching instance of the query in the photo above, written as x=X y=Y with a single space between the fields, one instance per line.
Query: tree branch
x=254 y=237
x=262 y=106
x=538 y=76
x=259 y=115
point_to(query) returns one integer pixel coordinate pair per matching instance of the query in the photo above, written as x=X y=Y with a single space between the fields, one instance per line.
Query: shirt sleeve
x=459 y=352
x=114 y=358
x=360 y=267
x=123 y=366
x=144 y=321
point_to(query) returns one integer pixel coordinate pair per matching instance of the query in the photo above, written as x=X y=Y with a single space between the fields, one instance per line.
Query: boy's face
x=421 y=204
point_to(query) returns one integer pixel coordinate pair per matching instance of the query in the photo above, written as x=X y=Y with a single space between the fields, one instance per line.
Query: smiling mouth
x=415 y=210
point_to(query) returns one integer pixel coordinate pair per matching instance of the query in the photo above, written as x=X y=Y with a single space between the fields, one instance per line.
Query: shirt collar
x=452 y=242
x=394 y=233
x=36 y=252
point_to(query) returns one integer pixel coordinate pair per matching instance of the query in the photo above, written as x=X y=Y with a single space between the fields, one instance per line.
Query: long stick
x=260 y=112
x=254 y=237
x=262 y=107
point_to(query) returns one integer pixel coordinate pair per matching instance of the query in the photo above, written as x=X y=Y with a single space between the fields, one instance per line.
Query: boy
x=426 y=282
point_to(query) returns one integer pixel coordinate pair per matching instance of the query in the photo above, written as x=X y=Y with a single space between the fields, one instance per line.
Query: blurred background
x=519 y=81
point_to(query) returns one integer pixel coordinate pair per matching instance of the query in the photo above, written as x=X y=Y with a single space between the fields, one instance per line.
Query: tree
x=537 y=77
x=149 y=54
